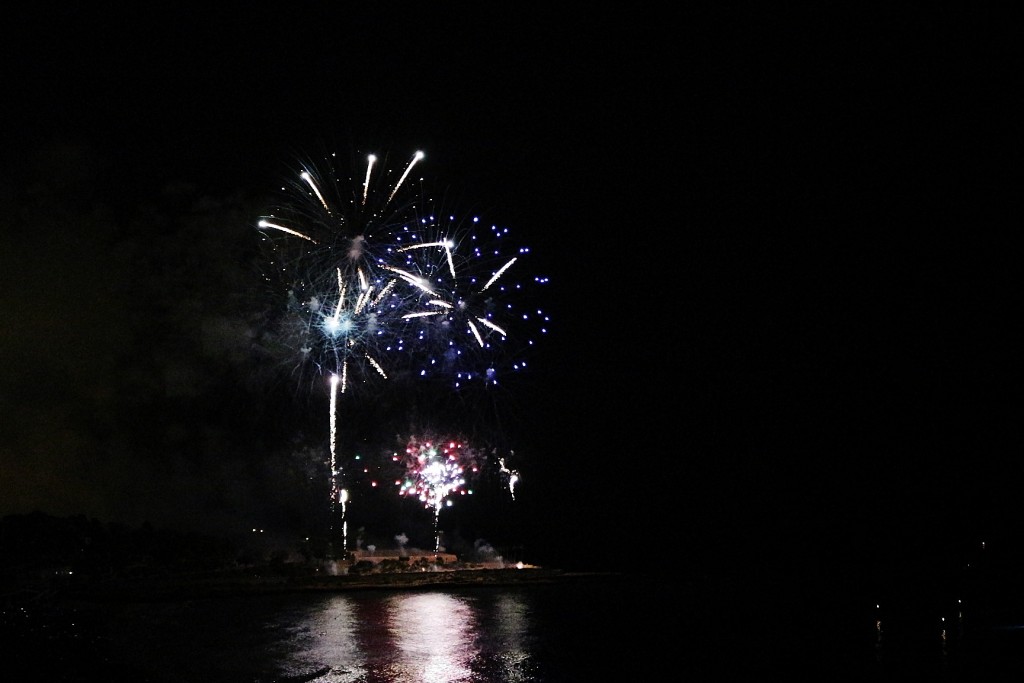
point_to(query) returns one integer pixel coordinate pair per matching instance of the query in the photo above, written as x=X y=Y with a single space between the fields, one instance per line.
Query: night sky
x=782 y=291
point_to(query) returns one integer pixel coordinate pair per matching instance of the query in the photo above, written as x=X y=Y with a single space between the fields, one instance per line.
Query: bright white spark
x=376 y=365
x=341 y=300
x=415 y=157
x=446 y=245
x=309 y=181
x=424 y=314
x=488 y=323
x=476 y=333
x=334 y=421
x=384 y=292
x=421 y=314
x=275 y=226
x=370 y=160
x=363 y=298
x=413 y=280
x=513 y=477
x=498 y=274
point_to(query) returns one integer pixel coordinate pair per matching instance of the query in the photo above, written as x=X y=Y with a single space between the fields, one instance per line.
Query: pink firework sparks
x=436 y=469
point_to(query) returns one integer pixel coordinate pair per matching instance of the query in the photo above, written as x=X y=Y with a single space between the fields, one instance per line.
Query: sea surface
x=601 y=627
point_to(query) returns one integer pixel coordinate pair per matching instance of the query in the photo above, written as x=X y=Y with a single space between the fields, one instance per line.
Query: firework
x=473 y=322
x=383 y=292
x=467 y=325
x=435 y=470
x=511 y=476
x=332 y=249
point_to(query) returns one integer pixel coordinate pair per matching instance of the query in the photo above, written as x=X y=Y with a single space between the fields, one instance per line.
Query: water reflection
x=327 y=635
x=435 y=636
x=432 y=637
x=513 y=623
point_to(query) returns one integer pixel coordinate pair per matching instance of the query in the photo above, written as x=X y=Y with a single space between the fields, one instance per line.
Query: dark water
x=601 y=628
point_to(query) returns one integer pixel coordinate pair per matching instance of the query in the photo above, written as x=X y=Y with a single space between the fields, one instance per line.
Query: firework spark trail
x=446 y=245
x=416 y=157
x=513 y=477
x=370 y=161
x=435 y=470
x=337 y=493
x=274 y=226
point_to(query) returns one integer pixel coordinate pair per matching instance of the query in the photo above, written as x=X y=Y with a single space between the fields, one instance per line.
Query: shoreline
x=172 y=588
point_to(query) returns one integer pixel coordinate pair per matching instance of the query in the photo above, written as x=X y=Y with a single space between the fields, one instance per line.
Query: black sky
x=783 y=286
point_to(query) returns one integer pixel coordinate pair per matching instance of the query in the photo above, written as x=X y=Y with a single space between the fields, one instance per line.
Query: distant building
x=413 y=555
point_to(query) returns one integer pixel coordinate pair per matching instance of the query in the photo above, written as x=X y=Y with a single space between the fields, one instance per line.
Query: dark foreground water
x=594 y=628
